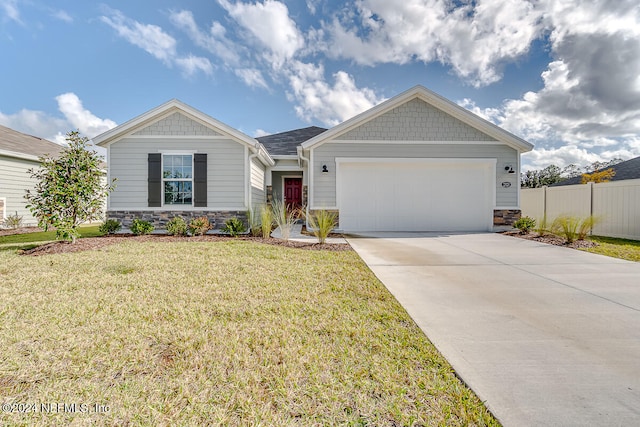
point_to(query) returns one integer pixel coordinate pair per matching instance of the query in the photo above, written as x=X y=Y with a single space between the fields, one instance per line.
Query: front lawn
x=617 y=248
x=216 y=333
x=88 y=230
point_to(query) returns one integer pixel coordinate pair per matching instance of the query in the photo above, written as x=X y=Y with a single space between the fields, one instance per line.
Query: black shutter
x=155 y=180
x=200 y=180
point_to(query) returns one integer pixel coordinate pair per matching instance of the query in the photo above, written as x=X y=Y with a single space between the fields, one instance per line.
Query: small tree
x=69 y=191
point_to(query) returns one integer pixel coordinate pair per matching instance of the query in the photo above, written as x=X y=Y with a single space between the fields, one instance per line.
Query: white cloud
x=191 y=64
x=43 y=125
x=10 y=9
x=80 y=118
x=475 y=39
x=154 y=40
x=215 y=41
x=62 y=15
x=331 y=104
x=260 y=132
x=252 y=77
x=270 y=25
x=589 y=106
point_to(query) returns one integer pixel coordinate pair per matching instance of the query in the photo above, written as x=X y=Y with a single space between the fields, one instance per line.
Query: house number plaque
x=506 y=184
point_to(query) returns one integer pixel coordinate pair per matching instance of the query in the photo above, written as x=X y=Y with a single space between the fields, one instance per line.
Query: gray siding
x=225 y=170
x=177 y=124
x=14 y=180
x=324 y=192
x=257 y=183
x=415 y=121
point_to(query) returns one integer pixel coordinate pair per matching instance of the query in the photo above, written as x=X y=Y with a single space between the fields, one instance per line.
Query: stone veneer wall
x=506 y=216
x=159 y=219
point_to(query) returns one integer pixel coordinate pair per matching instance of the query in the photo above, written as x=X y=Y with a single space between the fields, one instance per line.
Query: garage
x=415 y=194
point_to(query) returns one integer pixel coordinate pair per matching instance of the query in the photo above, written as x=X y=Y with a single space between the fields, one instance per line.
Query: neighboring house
x=629 y=169
x=19 y=153
x=416 y=162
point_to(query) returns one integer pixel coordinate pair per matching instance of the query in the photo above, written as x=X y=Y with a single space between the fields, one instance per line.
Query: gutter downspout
x=304 y=159
x=251 y=157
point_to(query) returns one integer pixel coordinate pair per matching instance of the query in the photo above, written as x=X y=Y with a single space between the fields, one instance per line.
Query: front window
x=177 y=175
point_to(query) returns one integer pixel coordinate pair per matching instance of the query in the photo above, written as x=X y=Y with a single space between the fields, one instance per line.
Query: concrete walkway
x=297 y=236
x=546 y=336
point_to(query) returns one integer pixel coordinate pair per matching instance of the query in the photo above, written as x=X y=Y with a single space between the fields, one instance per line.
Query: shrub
x=13 y=221
x=139 y=226
x=254 y=222
x=110 y=226
x=573 y=228
x=542 y=227
x=322 y=223
x=586 y=226
x=266 y=220
x=177 y=226
x=234 y=226
x=199 y=226
x=284 y=217
x=525 y=224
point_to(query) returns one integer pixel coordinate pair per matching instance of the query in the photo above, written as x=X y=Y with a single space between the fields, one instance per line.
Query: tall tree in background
x=553 y=174
x=69 y=189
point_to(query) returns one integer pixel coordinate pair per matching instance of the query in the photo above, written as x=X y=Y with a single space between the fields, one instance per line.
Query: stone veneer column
x=502 y=217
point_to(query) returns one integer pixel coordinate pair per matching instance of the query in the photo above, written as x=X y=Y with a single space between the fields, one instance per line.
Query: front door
x=293 y=192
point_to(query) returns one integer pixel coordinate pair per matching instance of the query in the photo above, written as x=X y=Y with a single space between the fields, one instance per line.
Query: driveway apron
x=545 y=335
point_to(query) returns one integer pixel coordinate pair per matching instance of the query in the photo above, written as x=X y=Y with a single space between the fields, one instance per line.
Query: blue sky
x=563 y=74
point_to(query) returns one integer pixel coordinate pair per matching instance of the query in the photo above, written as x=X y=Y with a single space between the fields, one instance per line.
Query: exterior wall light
x=509 y=169
x=324 y=169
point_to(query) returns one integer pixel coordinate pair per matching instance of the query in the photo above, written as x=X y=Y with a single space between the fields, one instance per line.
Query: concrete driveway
x=546 y=336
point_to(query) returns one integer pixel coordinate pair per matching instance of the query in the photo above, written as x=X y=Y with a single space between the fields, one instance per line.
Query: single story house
x=20 y=152
x=416 y=162
x=629 y=169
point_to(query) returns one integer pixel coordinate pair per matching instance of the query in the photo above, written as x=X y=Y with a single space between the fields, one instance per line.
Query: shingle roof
x=286 y=143
x=18 y=142
x=624 y=170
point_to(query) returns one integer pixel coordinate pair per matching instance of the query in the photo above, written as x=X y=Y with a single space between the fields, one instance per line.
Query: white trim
x=108 y=156
x=4 y=208
x=518 y=183
x=506 y=207
x=177 y=153
x=490 y=163
x=178 y=208
x=431 y=98
x=411 y=142
x=285 y=168
x=311 y=177
x=285 y=157
x=173 y=137
x=247 y=176
x=18 y=155
x=488 y=160
x=291 y=176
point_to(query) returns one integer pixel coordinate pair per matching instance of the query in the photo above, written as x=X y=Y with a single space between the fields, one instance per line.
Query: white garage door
x=416 y=195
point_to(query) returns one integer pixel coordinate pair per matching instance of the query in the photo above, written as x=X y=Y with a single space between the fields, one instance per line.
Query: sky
x=562 y=74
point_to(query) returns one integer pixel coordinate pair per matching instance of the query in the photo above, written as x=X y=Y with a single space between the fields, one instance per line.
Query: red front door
x=293 y=192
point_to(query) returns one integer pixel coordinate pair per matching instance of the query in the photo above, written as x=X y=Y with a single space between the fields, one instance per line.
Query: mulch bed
x=93 y=243
x=552 y=240
x=21 y=230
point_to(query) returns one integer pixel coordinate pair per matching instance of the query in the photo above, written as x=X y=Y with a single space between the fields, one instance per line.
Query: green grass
x=225 y=333
x=617 y=248
x=46 y=236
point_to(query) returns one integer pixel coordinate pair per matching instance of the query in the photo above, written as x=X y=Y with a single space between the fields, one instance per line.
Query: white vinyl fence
x=616 y=204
